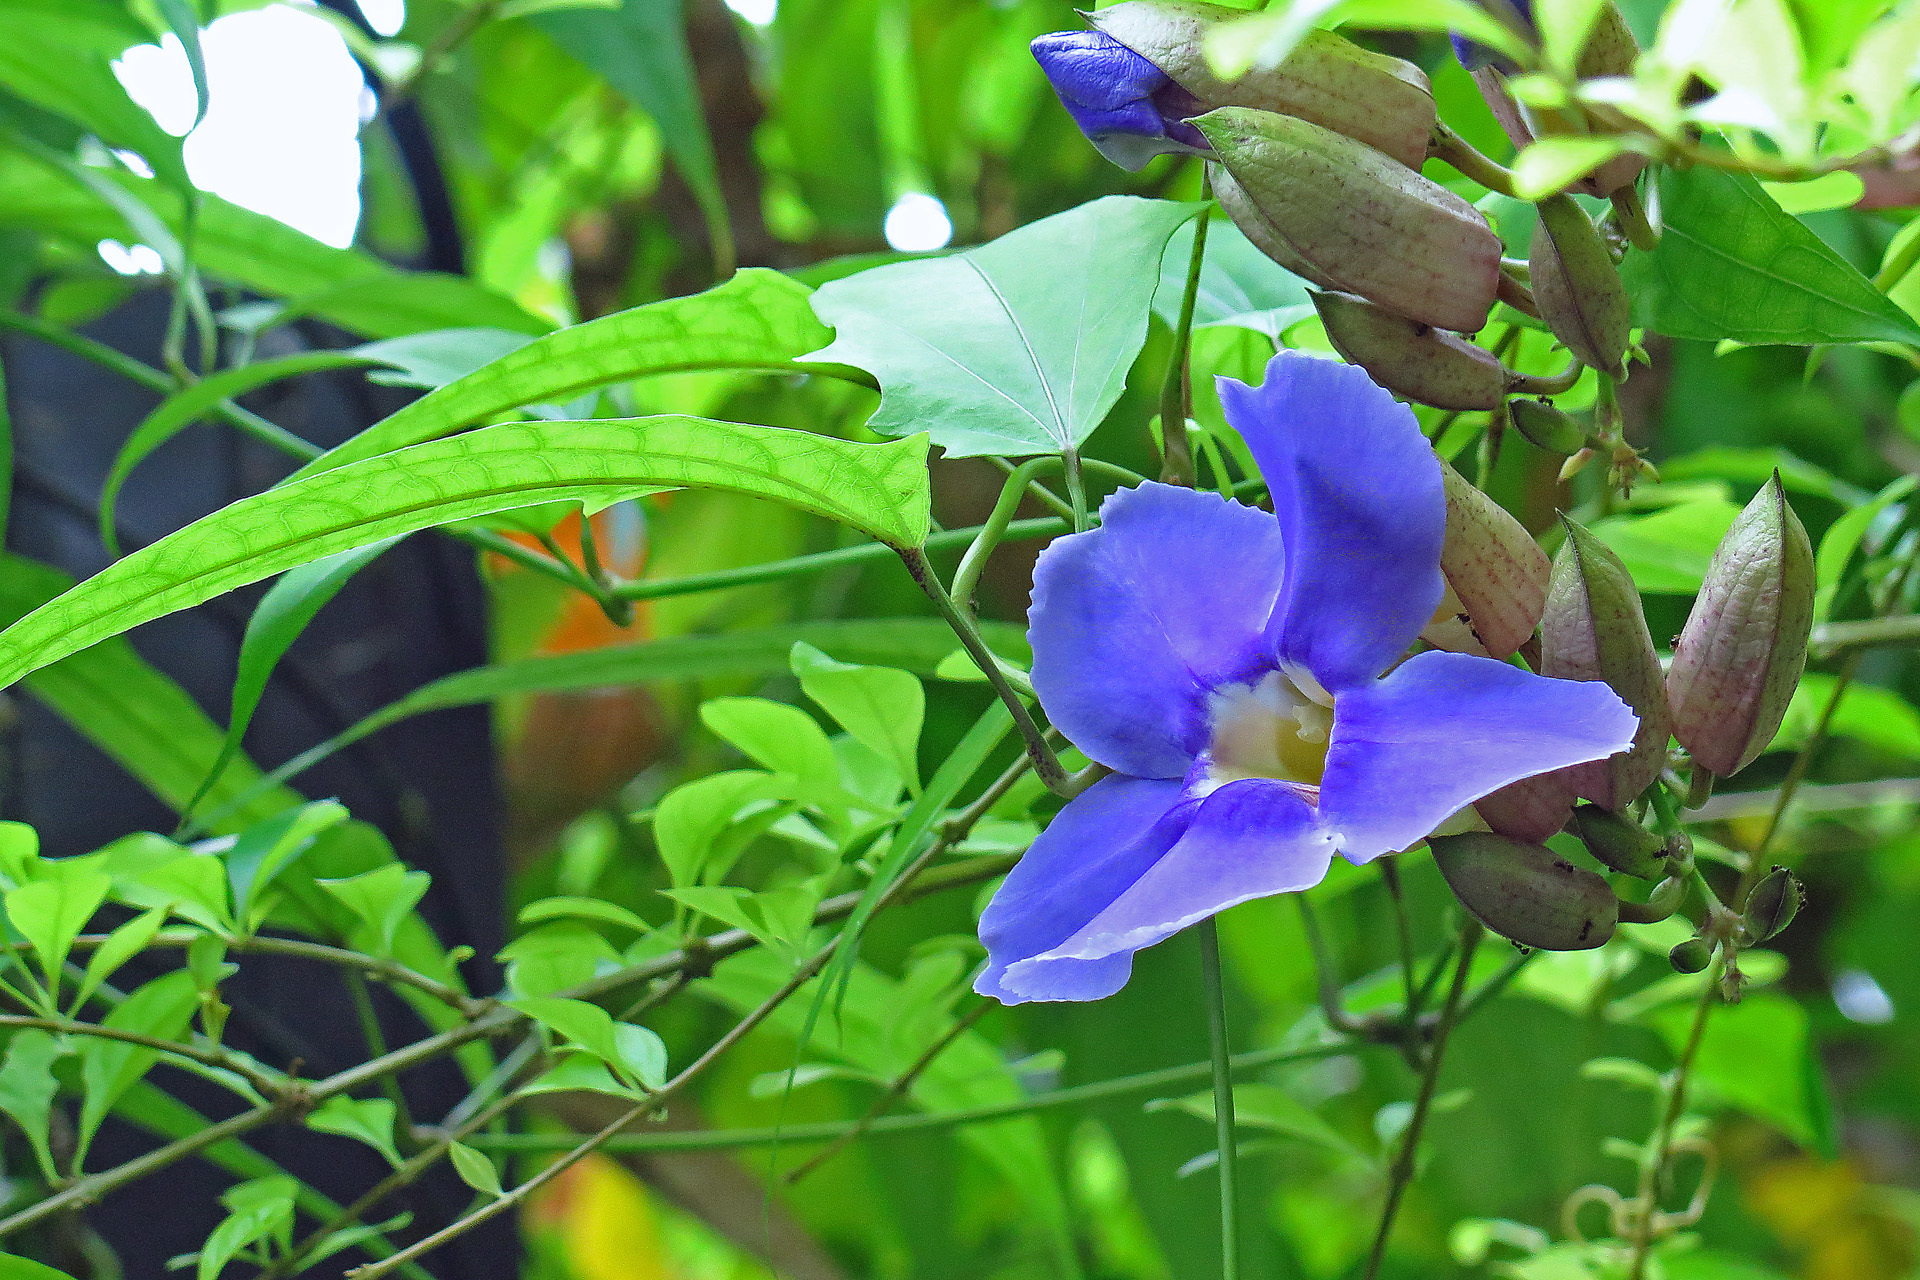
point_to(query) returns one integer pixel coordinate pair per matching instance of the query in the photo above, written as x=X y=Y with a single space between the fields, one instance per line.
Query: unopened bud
x=1531 y=809
x=1422 y=363
x=1578 y=289
x=1576 y=464
x=1619 y=843
x=1497 y=571
x=1772 y=905
x=1358 y=220
x=1546 y=427
x=1740 y=656
x=1524 y=892
x=1384 y=102
x=1594 y=629
x=1691 y=956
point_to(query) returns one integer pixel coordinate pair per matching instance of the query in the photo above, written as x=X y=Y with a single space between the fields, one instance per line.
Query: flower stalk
x=1216 y=998
x=1176 y=454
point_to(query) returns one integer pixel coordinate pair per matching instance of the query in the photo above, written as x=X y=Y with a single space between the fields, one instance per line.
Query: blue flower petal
x=1250 y=839
x=1092 y=69
x=1092 y=852
x=1445 y=729
x=1357 y=490
x=1133 y=622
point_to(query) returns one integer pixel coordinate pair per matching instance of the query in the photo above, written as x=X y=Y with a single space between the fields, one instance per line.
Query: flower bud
x=1546 y=427
x=1362 y=222
x=1129 y=109
x=1740 y=656
x=1523 y=892
x=1531 y=809
x=1418 y=361
x=1497 y=571
x=1594 y=629
x=1327 y=79
x=1620 y=843
x=1577 y=288
x=1772 y=905
x=1691 y=956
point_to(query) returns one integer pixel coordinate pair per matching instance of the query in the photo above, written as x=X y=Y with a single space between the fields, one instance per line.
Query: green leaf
x=1239 y=285
x=1842 y=539
x=368 y=1120
x=439 y=356
x=261 y=1210
x=1551 y=165
x=277 y=621
x=1755 y=1057
x=629 y=1049
x=14 y=1268
x=58 y=54
x=881 y=707
x=690 y=818
x=476 y=1169
x=640 y=49
x=27 y=1089
x=183 y=408
x=381 y=898
x=1017 y=347
x=140 y=718
x=193 y=884
x=880 y=489
x=782 y=738
x=563 y=907
x=122 y=945
x=757 y=319
x=351 y=288
x=108 y=1068
x=52 y=911
x=1867 y=713
x=264 y=850
x=554 y=957
x=1669 y=550
x=185 y=25
x=1732 y=264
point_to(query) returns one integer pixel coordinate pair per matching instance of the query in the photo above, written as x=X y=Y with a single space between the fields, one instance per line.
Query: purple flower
x=1129 y=109
x=1237 y=672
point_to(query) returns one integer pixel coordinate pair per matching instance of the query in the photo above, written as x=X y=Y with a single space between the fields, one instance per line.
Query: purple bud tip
x=1128 y=107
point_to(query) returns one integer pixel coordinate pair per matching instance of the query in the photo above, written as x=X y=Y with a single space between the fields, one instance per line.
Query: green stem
x=966 y=579
x=1865 y=633
x=1458 y=152
x=1176 y=456
x=1222 y=1064
x=1045 y=763
x=1631 y=215
x=1404 y=1161
x=1076 y=489
x=1796 y=774
x=1390 y=873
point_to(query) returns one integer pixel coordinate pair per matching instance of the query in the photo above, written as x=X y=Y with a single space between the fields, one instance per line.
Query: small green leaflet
x=1017 y=347
x=879 y=489
x=1732 y=264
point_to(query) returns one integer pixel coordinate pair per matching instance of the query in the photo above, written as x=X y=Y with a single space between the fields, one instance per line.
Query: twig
x=1223 y=1126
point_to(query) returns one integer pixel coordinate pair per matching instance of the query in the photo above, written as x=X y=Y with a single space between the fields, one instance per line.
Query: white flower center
x=1276 y=728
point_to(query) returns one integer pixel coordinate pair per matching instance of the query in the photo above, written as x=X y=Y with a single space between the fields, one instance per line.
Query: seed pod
x=1523 y=892
x=1620 y=844
x=1360 y=221
x=1418 y=361
x=1594 y=629
x=1496 y=569
x=1739 y=658
x=1531 y=809
x=1384 y=102
x=1546 y=427
x=1691 y=956
x=1577 y=288
x=1773 y=904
